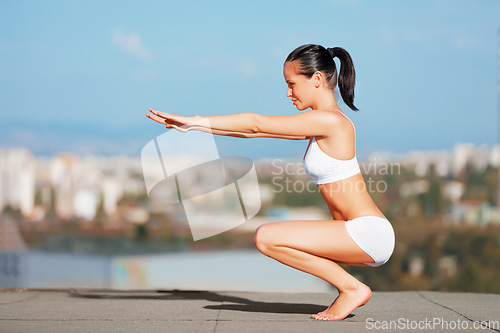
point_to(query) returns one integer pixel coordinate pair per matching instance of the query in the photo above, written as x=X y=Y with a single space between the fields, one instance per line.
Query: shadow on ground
x=237 y=303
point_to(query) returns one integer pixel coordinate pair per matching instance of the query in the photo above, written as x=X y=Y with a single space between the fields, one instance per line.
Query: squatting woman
x=358 y=234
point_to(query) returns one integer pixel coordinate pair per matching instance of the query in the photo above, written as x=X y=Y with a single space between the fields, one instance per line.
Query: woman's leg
x=313 y=247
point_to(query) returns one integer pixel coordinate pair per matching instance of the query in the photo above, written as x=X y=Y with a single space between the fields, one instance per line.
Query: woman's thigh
x=324 y=238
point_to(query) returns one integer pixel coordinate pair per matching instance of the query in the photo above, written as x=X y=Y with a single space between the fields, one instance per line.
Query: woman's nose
x=289 y=92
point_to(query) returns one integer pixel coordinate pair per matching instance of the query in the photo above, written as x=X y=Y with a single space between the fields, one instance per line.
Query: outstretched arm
x=185 y=128
x=249 y=135
x=303 y=125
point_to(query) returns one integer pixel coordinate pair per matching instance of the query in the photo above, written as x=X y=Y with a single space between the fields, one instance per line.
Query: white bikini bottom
x=374 y=235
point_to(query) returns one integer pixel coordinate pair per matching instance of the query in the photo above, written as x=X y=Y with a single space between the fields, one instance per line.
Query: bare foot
x=345 y=303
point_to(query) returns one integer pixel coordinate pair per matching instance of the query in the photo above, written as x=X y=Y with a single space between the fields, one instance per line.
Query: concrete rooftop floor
x=85 y=310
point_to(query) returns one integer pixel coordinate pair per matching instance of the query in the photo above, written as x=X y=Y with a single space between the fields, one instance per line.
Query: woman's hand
x=181 y=123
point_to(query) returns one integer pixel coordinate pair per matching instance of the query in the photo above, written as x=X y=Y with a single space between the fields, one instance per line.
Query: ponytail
x=347 y=76
x=315 y=58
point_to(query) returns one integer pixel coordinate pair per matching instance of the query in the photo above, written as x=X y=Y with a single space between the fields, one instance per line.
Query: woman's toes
x=316 y=315
x=326 y=317
x=330 y=317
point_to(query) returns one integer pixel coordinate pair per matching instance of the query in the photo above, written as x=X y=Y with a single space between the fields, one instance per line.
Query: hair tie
x=332 y=52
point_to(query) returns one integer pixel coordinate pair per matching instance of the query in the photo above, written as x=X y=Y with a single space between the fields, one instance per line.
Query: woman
x=359 y=233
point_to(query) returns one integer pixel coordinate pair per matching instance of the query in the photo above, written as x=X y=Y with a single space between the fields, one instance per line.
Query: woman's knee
x=263 y=238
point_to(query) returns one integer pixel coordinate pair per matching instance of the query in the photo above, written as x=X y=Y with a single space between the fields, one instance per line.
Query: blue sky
x=78 y=76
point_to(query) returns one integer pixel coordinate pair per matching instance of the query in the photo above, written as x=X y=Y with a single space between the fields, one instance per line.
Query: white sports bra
x=323 y=168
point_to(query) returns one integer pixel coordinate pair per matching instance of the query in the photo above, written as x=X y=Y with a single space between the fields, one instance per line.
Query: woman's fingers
x=167 y=123
x=161 y=114
x=156 y=118
x=159 y=119
x=171 y=118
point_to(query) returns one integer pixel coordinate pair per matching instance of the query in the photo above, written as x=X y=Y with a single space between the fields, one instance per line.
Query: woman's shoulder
x=336 y=119
x=329 y=117
x=341 y=128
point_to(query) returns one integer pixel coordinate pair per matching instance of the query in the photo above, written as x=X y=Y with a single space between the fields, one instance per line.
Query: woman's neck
x=326 y=102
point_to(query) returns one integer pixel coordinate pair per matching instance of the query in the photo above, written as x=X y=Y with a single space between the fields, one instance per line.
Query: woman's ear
x=318 y=79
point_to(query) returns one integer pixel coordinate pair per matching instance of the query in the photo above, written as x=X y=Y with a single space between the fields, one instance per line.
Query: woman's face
x=300 y=88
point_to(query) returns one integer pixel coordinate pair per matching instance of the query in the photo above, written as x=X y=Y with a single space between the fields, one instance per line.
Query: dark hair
x=313 y=58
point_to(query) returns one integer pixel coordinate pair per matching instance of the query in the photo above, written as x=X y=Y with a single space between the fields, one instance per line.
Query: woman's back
x=332 y=164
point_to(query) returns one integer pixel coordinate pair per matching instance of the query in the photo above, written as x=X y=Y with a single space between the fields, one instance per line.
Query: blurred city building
x=71 y=186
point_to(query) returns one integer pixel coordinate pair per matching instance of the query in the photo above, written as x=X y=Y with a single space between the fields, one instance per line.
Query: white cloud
x=414 y=35
x=349 y=3
x=231 y=63
x=281 y=52
x=465 y=41
x=248 y=68
x=131 y=43
x=146 y=74
x=391 y=35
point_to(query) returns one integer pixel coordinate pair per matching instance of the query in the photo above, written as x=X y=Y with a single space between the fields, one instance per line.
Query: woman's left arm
x=306 y=123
